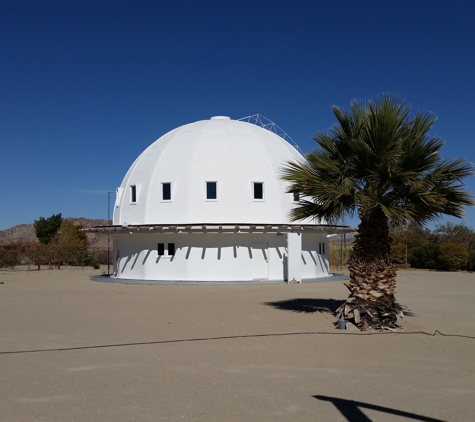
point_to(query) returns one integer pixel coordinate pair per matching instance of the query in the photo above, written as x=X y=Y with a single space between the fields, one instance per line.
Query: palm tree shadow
x=307 y=305
x=351 y=410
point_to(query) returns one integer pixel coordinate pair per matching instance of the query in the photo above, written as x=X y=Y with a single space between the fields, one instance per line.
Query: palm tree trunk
x=372 y=284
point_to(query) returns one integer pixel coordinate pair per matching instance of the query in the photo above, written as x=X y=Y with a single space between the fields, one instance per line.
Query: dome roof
x=211 y=171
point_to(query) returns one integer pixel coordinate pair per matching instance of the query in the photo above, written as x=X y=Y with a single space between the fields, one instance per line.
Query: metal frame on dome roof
x=222 y=228
x=264 y=122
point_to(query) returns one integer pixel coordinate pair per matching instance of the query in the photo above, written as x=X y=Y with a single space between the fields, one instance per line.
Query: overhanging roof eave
x=222 y=227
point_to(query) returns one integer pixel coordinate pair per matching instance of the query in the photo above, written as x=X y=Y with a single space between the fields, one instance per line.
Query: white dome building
x=205 y=203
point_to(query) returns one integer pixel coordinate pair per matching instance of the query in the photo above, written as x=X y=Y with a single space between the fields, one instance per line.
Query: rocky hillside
x=350 y=238
x=26 y=232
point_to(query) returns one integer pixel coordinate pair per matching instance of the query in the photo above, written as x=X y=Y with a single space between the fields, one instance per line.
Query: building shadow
x=307 y=305
x=351 y=410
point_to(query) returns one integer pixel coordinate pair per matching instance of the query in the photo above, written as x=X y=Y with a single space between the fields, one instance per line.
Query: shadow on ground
x=307 y=305
x=351 y=410
x=314 y=305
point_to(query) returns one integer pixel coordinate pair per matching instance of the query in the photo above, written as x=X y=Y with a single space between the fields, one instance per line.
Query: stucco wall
x=214 y=256
x=314 y=264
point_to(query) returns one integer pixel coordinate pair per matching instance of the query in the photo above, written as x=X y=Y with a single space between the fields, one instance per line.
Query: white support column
x=294 y=256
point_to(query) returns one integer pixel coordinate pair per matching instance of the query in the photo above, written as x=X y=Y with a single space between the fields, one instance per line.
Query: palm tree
x=382 y=164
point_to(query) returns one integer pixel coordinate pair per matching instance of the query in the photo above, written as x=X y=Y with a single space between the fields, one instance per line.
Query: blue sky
x=86 y=86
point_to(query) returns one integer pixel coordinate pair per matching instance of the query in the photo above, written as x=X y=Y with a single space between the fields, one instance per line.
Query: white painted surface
x=230 y=152
x=294 y=256
x=234 y=154
x=220 y=118
x=260 y=261
x=314 y=265
x=210 y=257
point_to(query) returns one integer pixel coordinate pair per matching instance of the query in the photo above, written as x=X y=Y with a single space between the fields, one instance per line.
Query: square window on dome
x=211 y=190
x=166 y=191
x=133 y=194
x=258 y=190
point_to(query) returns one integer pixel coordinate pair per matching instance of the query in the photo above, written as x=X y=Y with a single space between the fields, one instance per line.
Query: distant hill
x=349 y=237
x=26 y=232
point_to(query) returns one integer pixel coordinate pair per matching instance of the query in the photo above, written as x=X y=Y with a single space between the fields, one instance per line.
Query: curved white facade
x=213 y=172
x=218 y=257
x=234 y=154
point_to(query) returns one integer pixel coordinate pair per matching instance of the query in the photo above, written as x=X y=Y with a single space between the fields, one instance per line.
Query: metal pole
x=109 y=222
x=341 y=253
x=344 y=244
x=108 y=237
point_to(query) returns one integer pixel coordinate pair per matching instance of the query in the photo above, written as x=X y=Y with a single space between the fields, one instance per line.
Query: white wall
x=314 y=265
x=213 y=257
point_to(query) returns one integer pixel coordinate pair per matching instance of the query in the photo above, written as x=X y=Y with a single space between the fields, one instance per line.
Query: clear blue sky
x=86 y=86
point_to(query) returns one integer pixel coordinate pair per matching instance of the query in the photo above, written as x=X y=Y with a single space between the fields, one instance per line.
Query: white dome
x=239 y=157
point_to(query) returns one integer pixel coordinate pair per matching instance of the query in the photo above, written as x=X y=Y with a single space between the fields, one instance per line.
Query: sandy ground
x=230 y=352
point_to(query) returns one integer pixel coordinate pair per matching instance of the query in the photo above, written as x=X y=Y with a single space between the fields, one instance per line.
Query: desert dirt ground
x=73 y=349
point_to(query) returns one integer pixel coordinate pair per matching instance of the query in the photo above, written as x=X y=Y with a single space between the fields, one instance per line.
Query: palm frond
x=376 y=156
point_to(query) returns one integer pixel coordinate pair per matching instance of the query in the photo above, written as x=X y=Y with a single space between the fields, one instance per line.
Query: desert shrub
x=101 y=255
x=11 y=254
x=408 y=238
x=38 y=253
x=339 y=255
x=453 y=257
x=459 y=234
x=81 y=259
x=399 y=253
x=67 y=244
x=471 y=262
x=426 y=256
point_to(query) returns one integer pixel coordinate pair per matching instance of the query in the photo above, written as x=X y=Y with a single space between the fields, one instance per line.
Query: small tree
x=399 y=253
x=406 y=239
x=34 y=253
x=46 y=228
x=38 y=254
x=11 y=254
x=68 y=244
x=453 y=257
x=382 y=164
x=426 y=256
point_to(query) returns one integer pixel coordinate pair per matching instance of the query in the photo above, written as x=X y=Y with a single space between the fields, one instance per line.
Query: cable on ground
x=103 y=346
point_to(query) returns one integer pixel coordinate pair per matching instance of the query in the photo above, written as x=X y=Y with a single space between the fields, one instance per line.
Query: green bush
x=453 y=257
x=471 y=262
x=399 y=253
x=426 y=256
x=445 y=257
